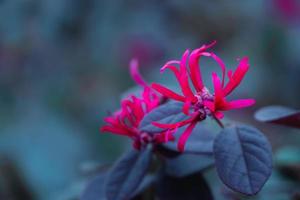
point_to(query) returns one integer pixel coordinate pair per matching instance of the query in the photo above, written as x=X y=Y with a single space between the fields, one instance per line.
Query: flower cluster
x=133 y=109
x=199 y=99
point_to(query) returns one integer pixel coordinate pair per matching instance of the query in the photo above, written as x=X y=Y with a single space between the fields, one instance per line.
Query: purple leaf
x=193 y=187
x=199 y=142
x=279 y=115
x=127 y=174
x=146 y=183
x=187 y=164
x=95 y=188
x=161 y=150
x=167 y=113
x=243 y=158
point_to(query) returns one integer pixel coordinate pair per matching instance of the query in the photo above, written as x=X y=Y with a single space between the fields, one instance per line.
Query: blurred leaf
x=279 y=115
x=277 y=188
x=94 y=167
x=168 y=113
x=243 y=158
x=291 y=171
x=95 y=188
x=160 y=149
x=127 y=174
x=287 y=155
x=199 y=142
x=147 y=182
x=193 y=187
x=187 y=164
x=288 y=162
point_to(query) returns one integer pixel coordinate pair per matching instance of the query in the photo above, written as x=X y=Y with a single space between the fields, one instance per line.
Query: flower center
x=202 y=96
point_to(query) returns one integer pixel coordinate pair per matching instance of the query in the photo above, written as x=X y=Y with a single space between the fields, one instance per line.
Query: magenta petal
x=217 y=88
x=229 y=74
x=186 y=107
x=237 y=76
x=170 y=65
x=219 y=115
x=185 y=135
x=177 y=124
x=241 y=103
x=167 y=92
x=115 y=130
x=195 y=72
x=222 y=66
x=135 y=74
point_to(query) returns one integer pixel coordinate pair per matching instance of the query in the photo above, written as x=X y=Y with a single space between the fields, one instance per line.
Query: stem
x=218 y=121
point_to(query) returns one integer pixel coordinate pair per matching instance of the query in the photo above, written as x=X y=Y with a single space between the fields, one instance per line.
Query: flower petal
x=217 y=89
x=222 y=66
x=219 y=115
x=177 y=124
x=184 y=78
x=195 y=72
x=135 y=74
x=241 y=103
x=237 y=76
x=186 y=107
x=115 y=130
x=185 y=135
x=167 y=92
x=170 y=65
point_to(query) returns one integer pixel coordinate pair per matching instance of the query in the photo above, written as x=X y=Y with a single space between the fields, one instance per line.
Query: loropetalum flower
x=199 y=99
x=126 y=121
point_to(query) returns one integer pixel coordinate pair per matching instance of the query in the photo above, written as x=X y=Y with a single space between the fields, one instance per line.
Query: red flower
x=199 y=98
x=133 y=109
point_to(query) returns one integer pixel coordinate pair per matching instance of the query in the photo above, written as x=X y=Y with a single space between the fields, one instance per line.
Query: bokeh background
x=64 y=66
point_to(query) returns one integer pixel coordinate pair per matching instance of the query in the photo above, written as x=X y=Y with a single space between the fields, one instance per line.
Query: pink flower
x=133 y=109
x=199 y=98
x=289 y=10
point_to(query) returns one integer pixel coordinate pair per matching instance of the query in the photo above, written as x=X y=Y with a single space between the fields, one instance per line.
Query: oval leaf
x=95 y=189
x=193 y=187
x=127 y=174
x=187 y=164
x=279 y=115
x=170 y=112
x=199 y=142
x=243 y=158
x=161 y=150
x=148 y=181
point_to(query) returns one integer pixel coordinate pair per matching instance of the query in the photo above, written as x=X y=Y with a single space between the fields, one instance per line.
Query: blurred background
x=64 y=66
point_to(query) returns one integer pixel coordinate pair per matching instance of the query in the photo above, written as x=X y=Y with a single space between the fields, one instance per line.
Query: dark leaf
x=193 y=187
x=89 y=168
x=199 y=142
x=170 y=112
x=291 y=171
x=243 y=158
x=95 y=188
x=146 y=183
x=288 y=162
x=127 y=174
x=287 y=155
x=187 y=164
x=279 y=115
x=165 y=152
